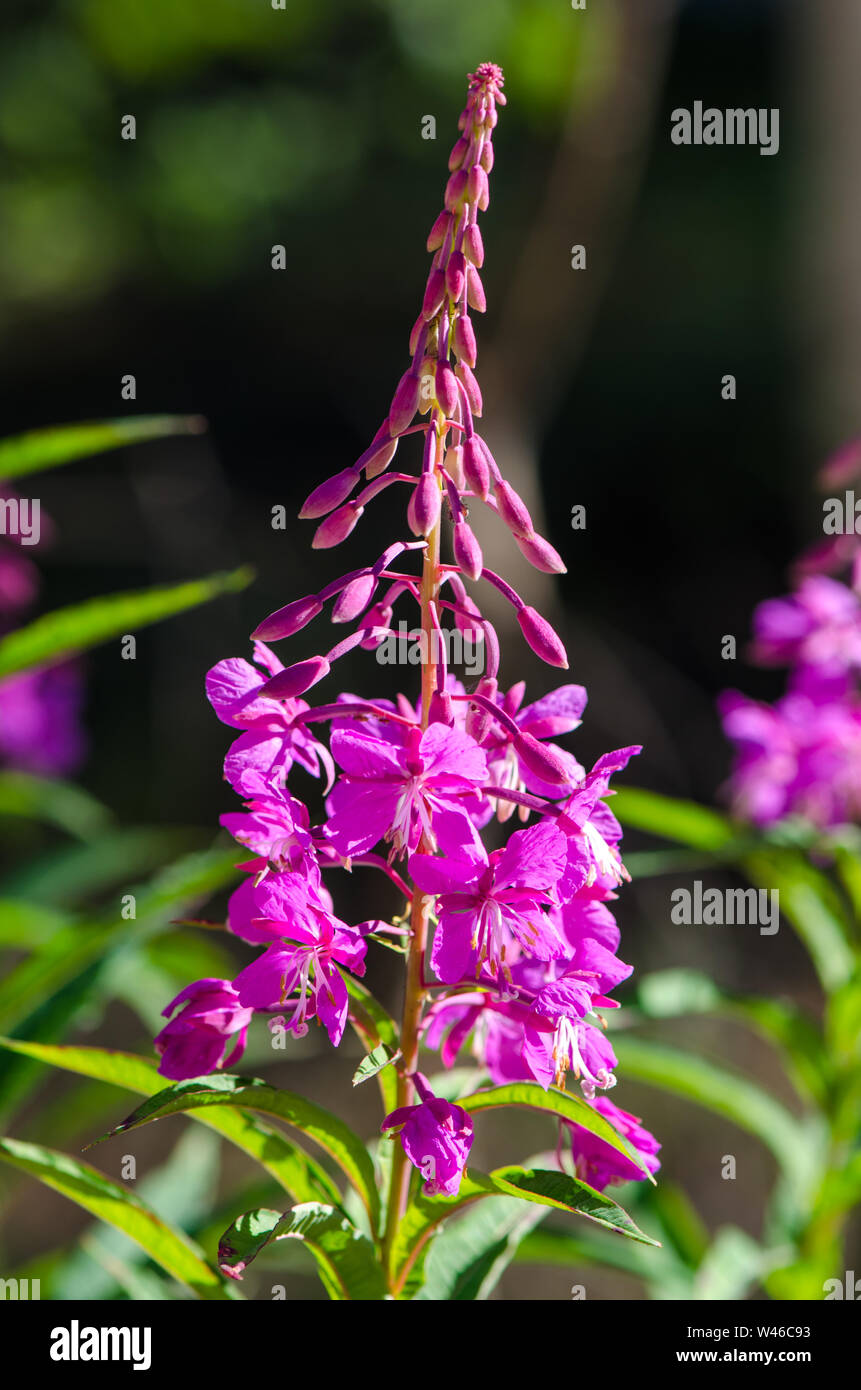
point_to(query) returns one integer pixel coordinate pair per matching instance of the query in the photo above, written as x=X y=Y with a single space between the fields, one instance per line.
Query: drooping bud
x=445 y=388
x=458 y=153
x=475 y=467
x=329 y=495
x=475 y=296
x=405 y=402
x=379 y=462
x=380 y=616
x=287 y=620
x=473 y=391
x=295 y=680
x=424 y=506
x=472 y=631
x=542 y=761
x=453 y=465
x=464 y=340
x=473 y=245
x=354 y=599
x=438 y=233
x=441 y=709
x=455 y=274
x=434 y=294
x=541 y=637
x=467 y=551
x=540 y=554
x=455 y=190
x=478 y=189
x=478 y=720
x=486 y=159
x=337 y=527
x=512 y=510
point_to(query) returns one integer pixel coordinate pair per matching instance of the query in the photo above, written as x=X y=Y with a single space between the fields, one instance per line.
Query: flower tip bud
x=405 y=403
x=475 y=467
x=540 y=554
x=285 y=621
x=467 y=551
x=542 y=761
x=542 y=638
x=329 y=495
x=354 y=598
x=337 y=527
x=424 y=506
x=295 y=680
x=512 y=509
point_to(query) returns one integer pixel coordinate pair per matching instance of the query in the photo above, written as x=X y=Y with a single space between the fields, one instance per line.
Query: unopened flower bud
x=541 y=637
x=424 y=506
x=329 y=495
x=434 y=294
x=354 y=599
x=512 y=510
x=458 y=153
x=455 y=190
x=467 y=551
x=475 y=291
x=464 y=340
x=285 y=621
x=453 y=465
x=295 y=680
x=486 y=159
x=404 y=403
x=337 y=527
x=473 y=631
x=379 y=462
x=473 y=246
x=445 y=388
x=478 y=720
x=465 y=375
x=380 y=615
x=441 y=709
x=478 y=189
x=438 y=232
x=475 y=467
x=542 y=761
x=540 y=554
x=455 y=274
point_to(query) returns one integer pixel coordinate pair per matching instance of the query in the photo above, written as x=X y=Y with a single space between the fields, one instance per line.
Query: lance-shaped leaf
x=373 y=1064
x=90 y=1189
x=468 y=1257
x=544 y=1187
x=346 y=1259
x=683 y=821
x=376 y=1029
x=68 y=631
x=47 y=448
x=53 y=802
x=296 y=1171
x=250 y=1093
x=563 y=1105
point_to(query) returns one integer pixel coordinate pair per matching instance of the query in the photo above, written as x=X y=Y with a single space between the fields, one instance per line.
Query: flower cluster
x=39 y=709
x=802 y=755
x=511 y=950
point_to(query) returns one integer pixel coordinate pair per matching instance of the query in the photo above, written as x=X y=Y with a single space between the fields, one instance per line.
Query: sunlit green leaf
x=46 y=448
x=346 y=1259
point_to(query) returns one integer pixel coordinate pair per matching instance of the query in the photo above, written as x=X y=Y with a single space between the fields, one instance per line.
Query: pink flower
x=193 y=1043
x=436 y=1137
x=600 y=1164
x=487 y=906
x=403 y=793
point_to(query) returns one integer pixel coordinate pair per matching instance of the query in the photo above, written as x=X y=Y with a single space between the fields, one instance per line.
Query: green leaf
x=91 y=1190
x=732 y=1266
x=250 y=1093
x=46 y=448
x=57 y=803
x=672 y=819
x=25 y=926
x=72 y=949
x=296 y=1172
x=79 y=871
x=470 y=1254
x=373 y=1064
x=66 y=631
x=375 y=1027
x=529 y=1095
x=346 y=1259
x=810 y=902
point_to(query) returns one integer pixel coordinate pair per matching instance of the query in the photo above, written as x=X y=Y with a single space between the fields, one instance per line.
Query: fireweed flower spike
x=510 y=951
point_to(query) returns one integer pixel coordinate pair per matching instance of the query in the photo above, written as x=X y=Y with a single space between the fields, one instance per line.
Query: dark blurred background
x=602 y=387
